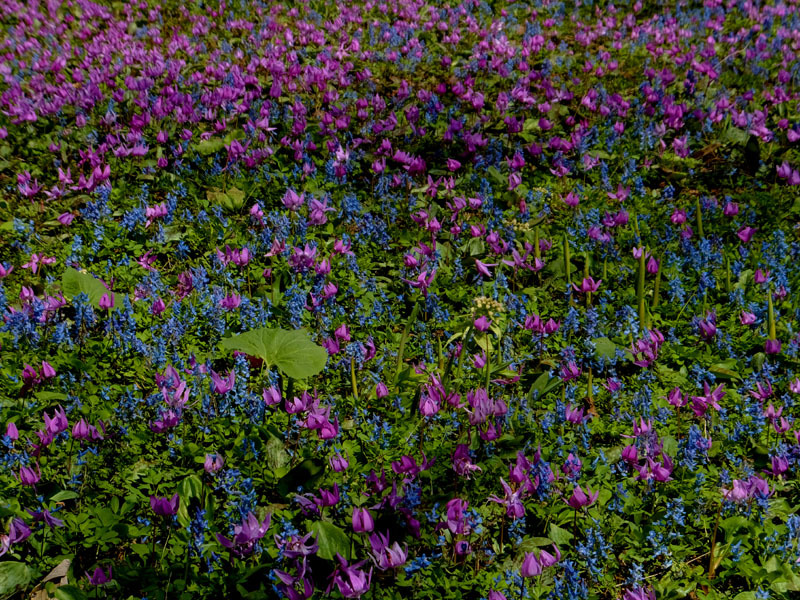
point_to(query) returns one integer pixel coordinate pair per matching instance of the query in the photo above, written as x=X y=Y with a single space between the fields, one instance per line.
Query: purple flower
x=772 y=347
x=512 y=501
x=164 y=507
x=362 y=520
x=18 y=531
x=587 y=285
x=213 y=463
x=99 y=577
x=482 y=323
x=246 y=534
x=45 y=516
x=106 y=301
x=223 y=386
x=639 y=593
x=579 y=498
x=27 y=476
x=385 y=556
x=350 y=579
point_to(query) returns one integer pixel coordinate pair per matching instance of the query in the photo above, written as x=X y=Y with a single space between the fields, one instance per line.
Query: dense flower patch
x=393 y=299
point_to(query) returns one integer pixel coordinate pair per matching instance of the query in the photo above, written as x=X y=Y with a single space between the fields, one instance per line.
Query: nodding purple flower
x=27 y=476
x=223 y=386
x=742 y=490
x=573 y=414
x=588 y=285
x=462 y=461
x=731 y=209
x=482 y=323
x=271 y=395
x=158 y=307
x=678 y=216
x=47 y=370
x=106 y=301
x=58 y=423
x=639 y=593
x=99 y=576
x=570 y=371
x=165 y=507
x=772 y=347
x=362 y=520
x=44 y=515
x=780 y=465
x=296 y=546
x=350 y=579
x=572 y=199
x=213 y=463
x=12 y=432
x=328 y=497
x=81 y=431
x=579 y=498
x=495 y=595
x=701 y=404
x=338 y=463
x=231 y=302
x=512 y=501
x=747 y=318
x=246 y=535
x=385 y=556
x=381 y=391
x=746 y=234
x=651 y=266
x=483 y=268
x=18 y=531
x=533 y=566
x=630 y=455
x=676 y=398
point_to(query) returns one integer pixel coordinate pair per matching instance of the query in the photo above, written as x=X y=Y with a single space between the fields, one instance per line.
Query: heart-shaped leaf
x=331 y=540
x=292 y=352
x=73 y=282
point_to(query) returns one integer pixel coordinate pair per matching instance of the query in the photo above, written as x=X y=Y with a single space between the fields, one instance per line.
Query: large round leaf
x=13 y=576
x=73 y=282
x=292 y=352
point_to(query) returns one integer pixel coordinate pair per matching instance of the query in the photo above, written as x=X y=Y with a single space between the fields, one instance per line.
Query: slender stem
x=640 y=289
x=711 y=566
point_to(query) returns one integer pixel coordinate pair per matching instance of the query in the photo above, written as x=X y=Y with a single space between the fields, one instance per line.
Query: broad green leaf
x=63 y=495
x=190 y=487
x=559 y=535
x=210 y=146
x=604 y=348
x=302 y=476
x=331 y=540
x=73 y=282
x=69 y=592
x=13 y=575
x=292 y=352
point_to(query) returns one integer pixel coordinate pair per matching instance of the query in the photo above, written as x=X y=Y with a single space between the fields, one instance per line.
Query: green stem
x=353 y=378
x=656 y=289
x=699 y=218
x=711 y=565
x=640 y=290
x=772 y=332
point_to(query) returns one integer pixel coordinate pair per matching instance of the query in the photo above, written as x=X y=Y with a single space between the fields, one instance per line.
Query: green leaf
x=13 y=575
x=331 y=539
x=69 y=592
x=73 y=282
x=292 y=352
x=559 y=535
x=63 y=495
x=303 y=475
x=210 y=146
x=190 y=487
x=604 y=348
